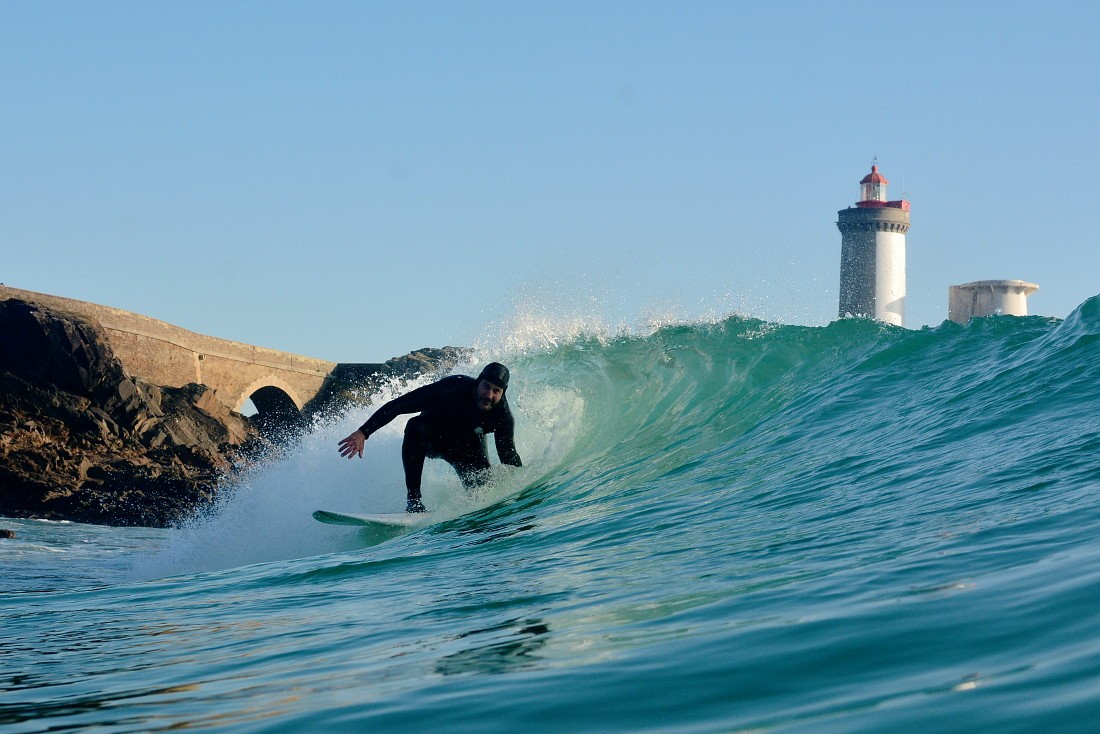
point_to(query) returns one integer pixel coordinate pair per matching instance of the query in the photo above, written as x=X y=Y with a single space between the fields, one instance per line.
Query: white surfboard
x=389 y=520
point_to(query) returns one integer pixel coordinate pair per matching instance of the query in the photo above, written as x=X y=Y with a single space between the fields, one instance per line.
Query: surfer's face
x=487 y=395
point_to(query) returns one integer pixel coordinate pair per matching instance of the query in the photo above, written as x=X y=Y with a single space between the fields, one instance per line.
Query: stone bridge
x=279 y=384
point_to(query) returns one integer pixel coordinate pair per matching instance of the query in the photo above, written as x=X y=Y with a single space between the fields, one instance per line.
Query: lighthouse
x=872 y=253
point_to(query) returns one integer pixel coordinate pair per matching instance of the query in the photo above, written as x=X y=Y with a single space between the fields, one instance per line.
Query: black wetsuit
x=450 y=427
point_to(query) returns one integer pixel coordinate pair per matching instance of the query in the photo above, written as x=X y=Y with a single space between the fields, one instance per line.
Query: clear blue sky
x=355 y=180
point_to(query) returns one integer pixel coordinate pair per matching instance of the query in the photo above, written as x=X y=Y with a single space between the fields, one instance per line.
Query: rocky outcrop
x=351 y=385
x=82 y=440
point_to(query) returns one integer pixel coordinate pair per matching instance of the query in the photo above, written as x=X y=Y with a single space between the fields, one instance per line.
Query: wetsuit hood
x=495 y=373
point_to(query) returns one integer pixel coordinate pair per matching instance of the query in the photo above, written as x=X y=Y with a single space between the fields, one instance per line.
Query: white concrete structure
x=988 y=297
x=872 y=253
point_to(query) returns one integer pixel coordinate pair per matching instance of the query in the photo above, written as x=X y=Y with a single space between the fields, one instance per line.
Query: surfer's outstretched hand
x=353 y=445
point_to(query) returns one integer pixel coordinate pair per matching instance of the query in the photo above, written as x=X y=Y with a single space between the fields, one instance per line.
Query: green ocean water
x=721 y=527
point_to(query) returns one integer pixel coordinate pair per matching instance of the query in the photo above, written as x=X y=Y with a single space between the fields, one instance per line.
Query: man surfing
x=455 y=414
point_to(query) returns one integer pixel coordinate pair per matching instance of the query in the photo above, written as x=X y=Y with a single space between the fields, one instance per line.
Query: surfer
x=455 y=414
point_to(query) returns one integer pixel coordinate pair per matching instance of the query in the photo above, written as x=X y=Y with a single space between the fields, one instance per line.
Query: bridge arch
x=277 y=404
x=268 y=381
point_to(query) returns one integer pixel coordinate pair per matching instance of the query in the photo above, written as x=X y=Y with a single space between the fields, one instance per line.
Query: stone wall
x=169 y=355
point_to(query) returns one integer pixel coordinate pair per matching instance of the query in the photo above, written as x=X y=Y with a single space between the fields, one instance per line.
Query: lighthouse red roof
x=874 y=177
x=872 y=192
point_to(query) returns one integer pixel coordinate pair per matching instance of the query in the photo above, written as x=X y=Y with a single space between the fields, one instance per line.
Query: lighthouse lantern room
x=872 y=188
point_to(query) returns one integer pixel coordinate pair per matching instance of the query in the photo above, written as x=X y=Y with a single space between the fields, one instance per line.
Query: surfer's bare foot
x=414 y=506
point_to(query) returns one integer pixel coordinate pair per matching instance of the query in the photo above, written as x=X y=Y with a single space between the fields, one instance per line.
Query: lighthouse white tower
x=872 y=253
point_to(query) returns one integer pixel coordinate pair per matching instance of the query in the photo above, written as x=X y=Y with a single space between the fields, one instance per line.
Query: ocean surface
x=721 y=527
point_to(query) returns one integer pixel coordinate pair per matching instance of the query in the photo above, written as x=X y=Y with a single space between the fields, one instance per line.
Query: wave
x=733 y=416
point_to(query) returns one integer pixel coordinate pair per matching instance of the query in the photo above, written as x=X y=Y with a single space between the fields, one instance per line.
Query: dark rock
x=6 y=533
x=352 y=384
x=82 y=440
x=52 y=348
